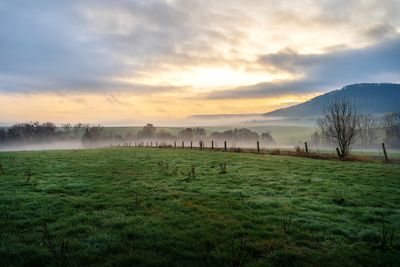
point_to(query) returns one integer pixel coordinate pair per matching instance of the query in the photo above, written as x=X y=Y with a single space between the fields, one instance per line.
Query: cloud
x=78 y=100
x=103 y=46
x=379 y=32
x=324 y=72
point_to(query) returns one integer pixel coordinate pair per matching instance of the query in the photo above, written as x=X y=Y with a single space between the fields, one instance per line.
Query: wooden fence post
x=225 y=145
x=183 y=144
x=258 y=146
x=174 y=144
x=201 y=144
x=212 y=145
x=384 y=152
x=306 y=147
x=191 y=144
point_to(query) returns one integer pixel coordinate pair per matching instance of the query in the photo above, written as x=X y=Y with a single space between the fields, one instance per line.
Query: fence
x=213 y=146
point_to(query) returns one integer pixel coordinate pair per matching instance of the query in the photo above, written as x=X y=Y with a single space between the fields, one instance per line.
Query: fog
x=275 y=148
x=55 y=145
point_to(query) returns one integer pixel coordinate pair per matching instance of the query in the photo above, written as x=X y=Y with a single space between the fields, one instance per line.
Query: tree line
x=150 y=132
x=48 y=131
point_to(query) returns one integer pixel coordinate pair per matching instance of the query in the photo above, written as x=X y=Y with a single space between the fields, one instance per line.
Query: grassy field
x=159 y=207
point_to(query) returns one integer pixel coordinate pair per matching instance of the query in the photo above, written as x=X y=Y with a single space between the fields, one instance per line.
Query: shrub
x=299 y=150
x=137 y=200
x=339 y=201
x=28 y=176
x=287 y=222
x=191 y=174
x=59 y=248
x=275 y=152
x=222 y=168
x=166 y=169
x=386 y=237
x=238 y=252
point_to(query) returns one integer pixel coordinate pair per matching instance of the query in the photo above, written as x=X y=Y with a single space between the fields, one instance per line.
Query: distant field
x=140 y=207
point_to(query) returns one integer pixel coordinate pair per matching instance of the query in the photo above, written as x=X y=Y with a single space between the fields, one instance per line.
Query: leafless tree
x=339 y=123
x=92 y=132
x=67 y=127
x=391 y=122
x=77 y=128
x=366 y=129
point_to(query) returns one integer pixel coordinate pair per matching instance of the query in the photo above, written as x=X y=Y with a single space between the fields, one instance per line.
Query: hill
x=370 y=98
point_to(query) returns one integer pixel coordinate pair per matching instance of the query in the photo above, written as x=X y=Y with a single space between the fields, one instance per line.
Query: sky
x=129 y=62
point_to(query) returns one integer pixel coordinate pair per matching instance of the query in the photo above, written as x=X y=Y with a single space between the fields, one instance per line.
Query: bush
x=166 y=169
x=222 y=168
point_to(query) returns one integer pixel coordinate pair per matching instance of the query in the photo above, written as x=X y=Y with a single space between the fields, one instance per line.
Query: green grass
x=118 y=207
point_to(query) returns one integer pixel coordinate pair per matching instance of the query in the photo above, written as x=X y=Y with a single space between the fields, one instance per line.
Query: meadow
x=174 y=207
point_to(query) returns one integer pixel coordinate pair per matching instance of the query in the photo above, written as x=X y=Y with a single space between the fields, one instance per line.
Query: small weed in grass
x=137 y=200
x=28 y=176
x=58 y=248
x=339 y=201
x=206 y=255
x=167 y=169
x=222 y=168
x=238 y=252
x=4 y=219
x=242 y=197
x=307 y=181
x=287 y=222
x=191 y=174
x=163 y=166
x=386 y=237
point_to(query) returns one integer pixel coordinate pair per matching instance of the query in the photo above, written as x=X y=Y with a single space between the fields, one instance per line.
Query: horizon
x=129 y=63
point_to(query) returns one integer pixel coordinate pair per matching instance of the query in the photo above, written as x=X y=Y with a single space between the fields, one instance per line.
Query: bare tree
x=67 y=127
x=77 y=128
x=92 y=133
x=339 y=124
x=366 y=129
x=391 y=122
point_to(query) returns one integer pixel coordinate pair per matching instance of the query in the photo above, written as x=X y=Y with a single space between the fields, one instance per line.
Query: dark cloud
x=379 y=32
x=323 y=72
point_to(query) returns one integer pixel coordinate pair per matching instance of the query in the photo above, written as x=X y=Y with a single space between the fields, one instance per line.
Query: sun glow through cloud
x=205 y=79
